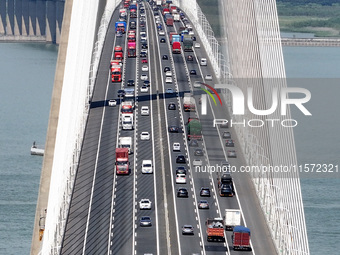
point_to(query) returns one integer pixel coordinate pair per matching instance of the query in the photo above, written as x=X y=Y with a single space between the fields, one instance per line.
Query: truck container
x=176 y=47
x=159 y=2
x=131 y=49
x=118 y=53
x=133 y=13
x=120 y=26
x=126 y=142
x=171 y=34
x=232 y=218
x=188 y=102
x=176 y=17
x=241 y=238
x=187 y=43
x=133 y=6
x=122 y=160
x=176 y=38
x=215 y=230
x=194 y=129
x=169 y=20
x=131 y=38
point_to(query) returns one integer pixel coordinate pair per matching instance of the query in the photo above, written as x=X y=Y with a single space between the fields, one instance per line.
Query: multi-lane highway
x=104 y=215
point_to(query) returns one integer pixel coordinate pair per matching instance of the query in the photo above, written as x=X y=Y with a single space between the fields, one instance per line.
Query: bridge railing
x=75 y=101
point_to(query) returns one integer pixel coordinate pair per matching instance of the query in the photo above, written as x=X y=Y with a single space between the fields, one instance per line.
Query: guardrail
x=74 y=111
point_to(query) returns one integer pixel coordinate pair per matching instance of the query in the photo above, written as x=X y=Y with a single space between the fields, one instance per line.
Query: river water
x=27 y=74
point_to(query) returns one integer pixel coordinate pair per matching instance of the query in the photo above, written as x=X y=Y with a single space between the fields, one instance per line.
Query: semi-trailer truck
x=120 y=26
x=176 y=47
x=122 y=160
x=187 y=42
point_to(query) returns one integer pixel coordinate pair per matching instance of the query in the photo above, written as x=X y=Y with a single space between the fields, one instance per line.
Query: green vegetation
x=310 y=16
x=320 y=17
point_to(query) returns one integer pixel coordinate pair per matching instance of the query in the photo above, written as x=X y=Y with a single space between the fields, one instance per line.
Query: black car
x=193 y=72
x=198 y=152
x=182 y=192
x=143 y=41
x=155 y=8
x=205 y=192
x=145 y=221
x=193 y=143
x=143 y=29
x=226 y=190
x=172 y=106
x=121 y=93
x=190 y=58
x=142 y=24
x=181 y=170
x=142 y=55
x=144 y=45
x=130 y=83
x=180 y=159
x=166 y=69
x=173 y=129
x=229 y=143
x=165 y=57
x=226 y=135
x=193 y=38
x=162 y=40
x=146 y=83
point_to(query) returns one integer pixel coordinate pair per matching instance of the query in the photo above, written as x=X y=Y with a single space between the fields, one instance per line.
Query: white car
x=197 y=84
x=168 y=80
x=142 y=33
x=145 y=111
x=176 y=147
x=144 y=77
x=191 y=33
x=147 y=167
x=143 y=37
x=145 y=204
x=197 y=45
x=168 y=73
x=181 y=179
x=144 y=89
x=197 y=162
x=145 y=68
x=144 y=50
x=161 y=32
x=203 y=62
x=145 y=136
x=208 y=77
x=112 y=102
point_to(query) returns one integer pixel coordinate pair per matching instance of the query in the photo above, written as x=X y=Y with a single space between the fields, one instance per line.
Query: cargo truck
x=159 y=2
x=169 y=19
x=194 y=129
x=176 y=48
x=176 y=38
x=232 y=218
x=126 y=142
x=188 y=102
x=118 y=53
x=187 y=42
x=122 y=161
x=215 y=230
x=171 y=34
x=116 y=72
x=241 y=238
x=131 y=49
x=120 y=26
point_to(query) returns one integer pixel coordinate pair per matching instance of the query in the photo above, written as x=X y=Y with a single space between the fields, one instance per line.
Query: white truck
x=232 y=218
x=126 y=142
x=127 y=121
x=188 y=102
x=159 y=2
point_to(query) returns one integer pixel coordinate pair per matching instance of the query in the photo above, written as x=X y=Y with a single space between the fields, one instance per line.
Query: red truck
x=131 y=49
x=116 y=71
x=169 y=19
x=165 y=11
x=241 y=238
x=131 y=38
x=176 y=47
x=215 y=230
x=118 y=53
x=122 y=160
